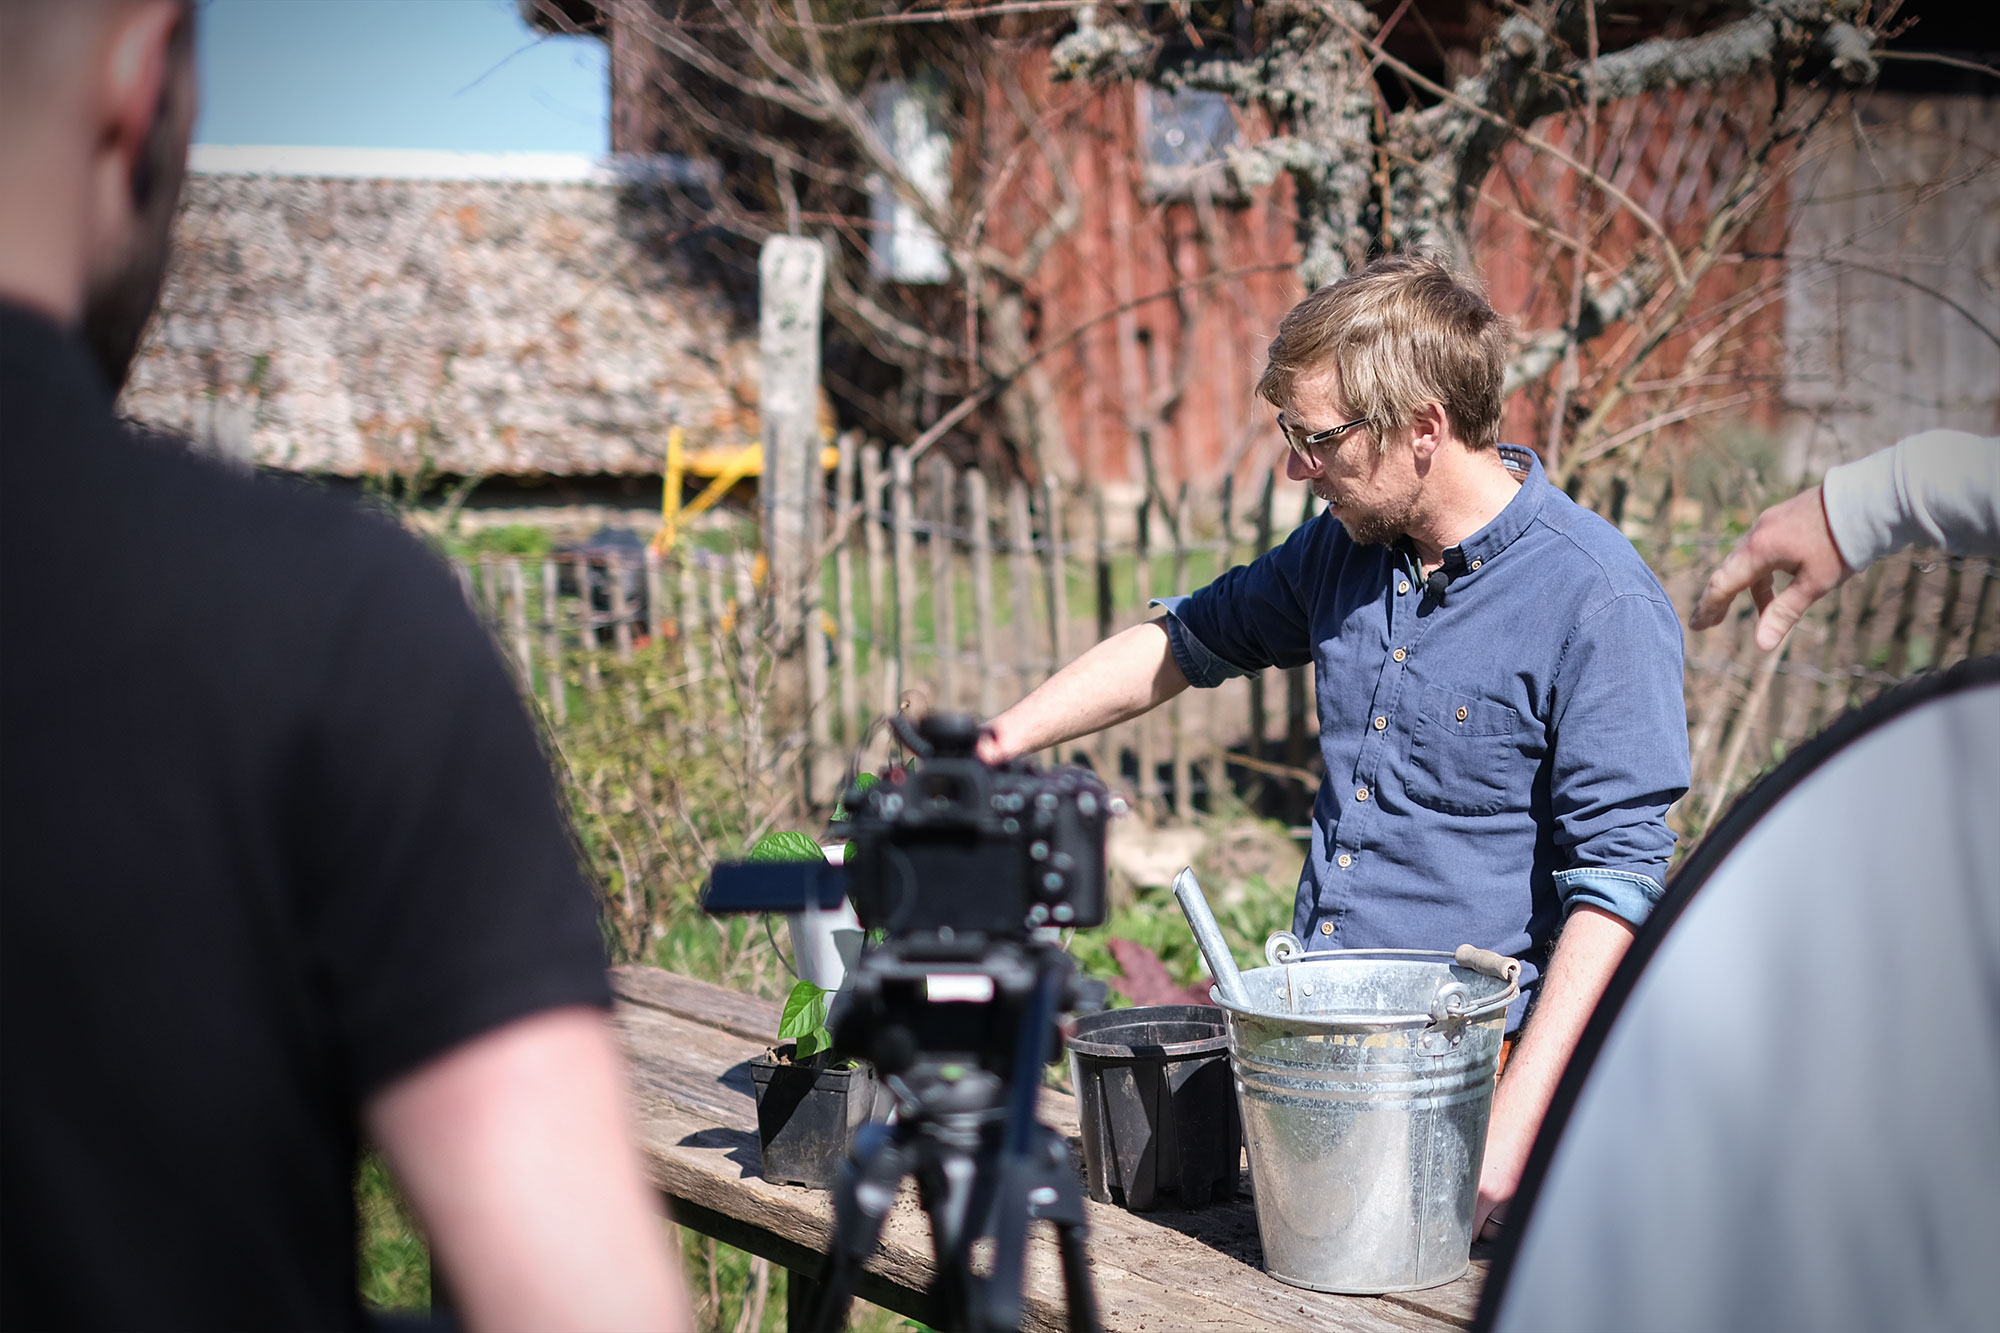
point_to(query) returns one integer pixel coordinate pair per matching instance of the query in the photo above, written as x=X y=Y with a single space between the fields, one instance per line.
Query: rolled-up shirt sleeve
x=1254 y=616
x=1620 y=755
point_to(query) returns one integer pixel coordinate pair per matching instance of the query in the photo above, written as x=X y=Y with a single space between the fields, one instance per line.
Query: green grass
x=394 y=1261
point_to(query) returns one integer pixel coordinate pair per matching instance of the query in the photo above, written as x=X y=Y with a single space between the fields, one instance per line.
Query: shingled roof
x=352 y=313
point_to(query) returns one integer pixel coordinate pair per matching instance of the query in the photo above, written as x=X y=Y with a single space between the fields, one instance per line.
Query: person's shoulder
x=1613 y=565
x=293 y=527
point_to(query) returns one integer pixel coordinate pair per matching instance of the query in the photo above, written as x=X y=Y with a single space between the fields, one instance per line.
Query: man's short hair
x=1403 y=331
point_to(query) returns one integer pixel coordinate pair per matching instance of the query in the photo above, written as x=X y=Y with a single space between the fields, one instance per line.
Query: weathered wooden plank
x=904 y=505
x=1178 y=742
x=1058 y=573
x=1020 y=557
x=944 y=580
x=751 y=660
x=1146 y=789
x=552 y=652
x=586 y=625
x=843 y=594
x=704 y=1002
x=615 y=568
x=517 y=625
x=979 y=520
x=693 y=623
x=656 y=597
x=880 y=672
x=489 y=590
x=819 y=770
x=1106 y=747
x=1259 y=721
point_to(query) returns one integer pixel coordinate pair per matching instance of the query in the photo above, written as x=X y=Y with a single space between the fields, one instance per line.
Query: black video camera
x=951 y=850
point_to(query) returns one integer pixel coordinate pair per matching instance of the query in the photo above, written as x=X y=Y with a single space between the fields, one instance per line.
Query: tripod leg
x=1078 y=1293
x=867 y=1190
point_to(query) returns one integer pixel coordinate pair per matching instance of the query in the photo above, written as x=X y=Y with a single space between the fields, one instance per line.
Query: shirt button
x=1361 y=794
x=1461 y=712
x=1403 y=587
x=1399 y=654
x=1326 y=927
x=1381 y=722
x=1475 y=564
x=1345 y=860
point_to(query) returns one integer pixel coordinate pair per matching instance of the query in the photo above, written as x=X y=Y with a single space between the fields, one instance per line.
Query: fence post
x=1105 y=749
x=1177 y=739
x=879 y=669
x=944 y=585
x=843 y=590
x=979 y=519
x=906 y=569
x=1261 y=542
x=1058 y=574
x=621 y=607
x=656 y=598
x=791 y=274
x=1142 y=580
x=819 y=730
x=552 y=642
x=586 y=624
x=692 y=619
x=517 y=625
x=1020 y=557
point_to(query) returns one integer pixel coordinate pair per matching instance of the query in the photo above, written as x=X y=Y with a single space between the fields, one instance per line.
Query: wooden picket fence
x=944 y=588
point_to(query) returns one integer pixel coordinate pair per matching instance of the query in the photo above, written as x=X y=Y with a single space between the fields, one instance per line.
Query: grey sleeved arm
x=1941 y=487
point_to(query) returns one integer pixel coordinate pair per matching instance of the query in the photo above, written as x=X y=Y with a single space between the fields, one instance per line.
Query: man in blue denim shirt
x=1498 y=673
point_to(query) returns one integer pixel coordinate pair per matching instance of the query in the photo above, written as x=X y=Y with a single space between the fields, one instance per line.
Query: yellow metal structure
x=722 y=465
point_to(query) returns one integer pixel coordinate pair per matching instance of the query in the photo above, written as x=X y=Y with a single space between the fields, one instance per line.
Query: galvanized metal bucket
x=1365 y=1079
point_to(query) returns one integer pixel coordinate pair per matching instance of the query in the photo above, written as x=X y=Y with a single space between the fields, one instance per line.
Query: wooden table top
x=690 y=1042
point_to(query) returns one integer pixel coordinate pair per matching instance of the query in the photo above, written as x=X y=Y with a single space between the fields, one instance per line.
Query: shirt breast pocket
x=1464 y=753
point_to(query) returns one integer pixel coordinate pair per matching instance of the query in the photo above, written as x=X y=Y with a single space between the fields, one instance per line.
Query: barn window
x=1185 y=136
x=909 y=117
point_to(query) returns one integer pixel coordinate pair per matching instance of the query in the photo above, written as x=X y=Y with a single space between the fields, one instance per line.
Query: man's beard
x=119 y=300
x=1376 y=527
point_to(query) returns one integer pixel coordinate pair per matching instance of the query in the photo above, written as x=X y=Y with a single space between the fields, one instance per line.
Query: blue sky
x=464 y=75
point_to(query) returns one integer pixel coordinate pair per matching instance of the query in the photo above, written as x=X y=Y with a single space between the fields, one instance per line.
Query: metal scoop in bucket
x=1194 y=906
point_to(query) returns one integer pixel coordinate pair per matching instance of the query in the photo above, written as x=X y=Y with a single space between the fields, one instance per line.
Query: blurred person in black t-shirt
x=280 y=866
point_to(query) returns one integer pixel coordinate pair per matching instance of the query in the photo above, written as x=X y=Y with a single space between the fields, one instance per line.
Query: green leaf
x=862 y=782
x=804 y=1019
x=812 y=1043
x=786 y=846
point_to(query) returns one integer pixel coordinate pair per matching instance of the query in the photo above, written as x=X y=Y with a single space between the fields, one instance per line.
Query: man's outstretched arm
x=516 y=1151
x=1941 y=487
x=1128 y=674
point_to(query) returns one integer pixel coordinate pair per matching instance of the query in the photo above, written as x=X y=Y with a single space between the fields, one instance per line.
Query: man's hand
x=1586 y=955
x=1792 y=537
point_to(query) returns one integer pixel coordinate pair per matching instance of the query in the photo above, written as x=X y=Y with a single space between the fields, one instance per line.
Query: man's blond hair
x=1403 y=331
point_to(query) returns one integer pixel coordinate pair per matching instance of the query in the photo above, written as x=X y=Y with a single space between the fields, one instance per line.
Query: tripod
x=984 y=1166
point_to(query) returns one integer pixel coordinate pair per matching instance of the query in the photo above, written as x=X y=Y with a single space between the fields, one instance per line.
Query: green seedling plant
x=804 y=1019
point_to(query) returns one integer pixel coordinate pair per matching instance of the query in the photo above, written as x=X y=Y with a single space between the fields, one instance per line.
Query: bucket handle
x=1487 y=963
x=1283 y=947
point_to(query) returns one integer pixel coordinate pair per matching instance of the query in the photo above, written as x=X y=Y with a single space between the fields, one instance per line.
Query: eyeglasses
x=1302 y=444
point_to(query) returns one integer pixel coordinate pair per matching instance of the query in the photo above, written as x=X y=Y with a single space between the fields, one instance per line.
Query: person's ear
x=133 y=72
x=1428 y=428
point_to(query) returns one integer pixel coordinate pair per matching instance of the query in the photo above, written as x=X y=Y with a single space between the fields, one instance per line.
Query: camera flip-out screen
x=774 y=886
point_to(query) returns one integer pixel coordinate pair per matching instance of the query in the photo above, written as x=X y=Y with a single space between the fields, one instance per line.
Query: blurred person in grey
x=280 y=866
x=1941 y=487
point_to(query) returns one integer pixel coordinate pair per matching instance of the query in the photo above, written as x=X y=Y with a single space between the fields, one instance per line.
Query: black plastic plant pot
x=808 y=1115
x=1157 y=1104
